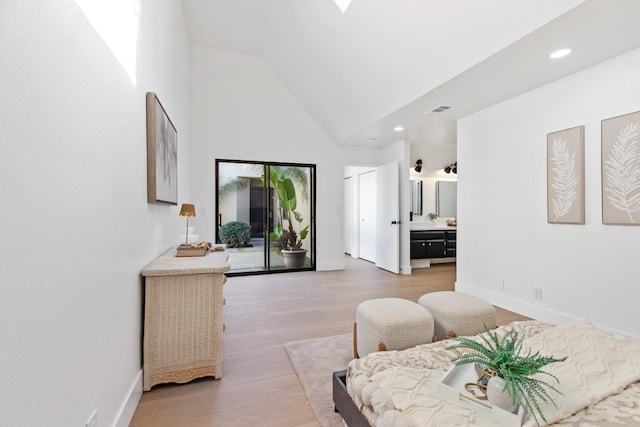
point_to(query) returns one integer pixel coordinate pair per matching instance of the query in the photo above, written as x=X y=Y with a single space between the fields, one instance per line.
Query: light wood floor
x=259 y=386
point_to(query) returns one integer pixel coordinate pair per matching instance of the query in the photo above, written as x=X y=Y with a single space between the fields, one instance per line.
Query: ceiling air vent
x=440 y=109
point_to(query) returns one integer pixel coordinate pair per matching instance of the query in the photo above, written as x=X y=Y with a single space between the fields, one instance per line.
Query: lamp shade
x=188 y=210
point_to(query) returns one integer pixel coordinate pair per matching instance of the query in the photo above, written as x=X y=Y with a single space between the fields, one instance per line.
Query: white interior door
x=348 y=215
x=388 y=217
x=367 y=214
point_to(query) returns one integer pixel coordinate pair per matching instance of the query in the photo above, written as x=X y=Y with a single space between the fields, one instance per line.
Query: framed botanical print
x=621 y=170
x=565 y=176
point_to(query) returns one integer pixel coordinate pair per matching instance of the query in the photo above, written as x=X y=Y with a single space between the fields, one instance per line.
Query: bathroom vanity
x=432 y=243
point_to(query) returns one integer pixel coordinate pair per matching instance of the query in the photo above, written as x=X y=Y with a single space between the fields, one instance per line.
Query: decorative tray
x=452 y=388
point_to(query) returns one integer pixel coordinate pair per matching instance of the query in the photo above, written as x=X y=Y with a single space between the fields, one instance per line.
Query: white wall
x=76 y=227
x=241 y=111
x=585 y=271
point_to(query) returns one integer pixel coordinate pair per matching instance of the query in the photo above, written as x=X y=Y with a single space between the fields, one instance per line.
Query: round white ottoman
x=393 y=322
x=457 y=314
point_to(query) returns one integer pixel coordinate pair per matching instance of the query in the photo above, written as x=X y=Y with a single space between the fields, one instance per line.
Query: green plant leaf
x=304 y=232
x=286 y=194
x=276 y=233
x=520 y=372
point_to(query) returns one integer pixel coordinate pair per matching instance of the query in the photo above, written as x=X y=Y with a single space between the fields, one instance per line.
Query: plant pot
x=294 y=258
x=498 y=396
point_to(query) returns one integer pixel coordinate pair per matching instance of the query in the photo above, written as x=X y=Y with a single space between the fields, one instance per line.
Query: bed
x=399 y=388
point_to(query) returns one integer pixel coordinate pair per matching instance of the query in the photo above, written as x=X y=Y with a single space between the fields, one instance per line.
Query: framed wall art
x=162 y=154
x=565 y=176
x=621 y=170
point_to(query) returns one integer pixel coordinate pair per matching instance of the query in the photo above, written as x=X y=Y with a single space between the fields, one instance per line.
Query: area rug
x=314 y=361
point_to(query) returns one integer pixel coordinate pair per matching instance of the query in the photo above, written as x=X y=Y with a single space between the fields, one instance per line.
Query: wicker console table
x=183 y=318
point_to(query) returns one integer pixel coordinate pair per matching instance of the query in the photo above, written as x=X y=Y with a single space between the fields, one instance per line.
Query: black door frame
x=267 y=203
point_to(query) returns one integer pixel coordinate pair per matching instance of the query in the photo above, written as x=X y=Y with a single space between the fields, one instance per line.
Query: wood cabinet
x=183 y=317
x=433 y=244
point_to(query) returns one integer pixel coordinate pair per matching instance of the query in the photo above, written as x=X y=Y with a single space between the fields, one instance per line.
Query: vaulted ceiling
x=385 y=63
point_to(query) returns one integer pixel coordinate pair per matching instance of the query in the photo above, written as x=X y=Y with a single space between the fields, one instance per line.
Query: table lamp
x=188 y=210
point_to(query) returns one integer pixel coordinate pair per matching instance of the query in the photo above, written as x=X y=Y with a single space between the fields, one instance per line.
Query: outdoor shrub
x=235 y=234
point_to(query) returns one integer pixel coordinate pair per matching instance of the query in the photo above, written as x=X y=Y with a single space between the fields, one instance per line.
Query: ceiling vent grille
x=440 y=109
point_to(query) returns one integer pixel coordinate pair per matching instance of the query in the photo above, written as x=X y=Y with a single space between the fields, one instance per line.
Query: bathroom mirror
x=416 y=197
x=446 y=198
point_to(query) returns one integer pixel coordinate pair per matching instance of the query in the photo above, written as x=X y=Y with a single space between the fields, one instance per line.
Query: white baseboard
x=534 y=311
x=125 y=414
x=405 y=269
x=523 y=307
x=421 y=263
x=426 y=262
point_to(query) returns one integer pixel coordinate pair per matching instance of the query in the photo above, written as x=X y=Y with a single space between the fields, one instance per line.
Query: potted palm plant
x=291 y=241
x=513 y=376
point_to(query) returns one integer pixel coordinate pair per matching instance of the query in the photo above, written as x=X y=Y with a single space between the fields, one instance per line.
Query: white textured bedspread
x=599 y=380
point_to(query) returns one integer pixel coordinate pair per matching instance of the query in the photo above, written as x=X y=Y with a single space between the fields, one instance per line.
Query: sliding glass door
x=266 y=215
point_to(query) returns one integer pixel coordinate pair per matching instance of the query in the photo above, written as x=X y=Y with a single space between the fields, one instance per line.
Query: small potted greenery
x=432 y=216
x=291 y=241
x=513 y=372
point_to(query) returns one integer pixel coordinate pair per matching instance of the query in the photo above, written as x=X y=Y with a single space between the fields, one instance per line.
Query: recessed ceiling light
x=560 y=53
x=398 y=128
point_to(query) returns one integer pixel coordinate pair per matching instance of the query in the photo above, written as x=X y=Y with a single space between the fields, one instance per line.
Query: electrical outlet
x=93 y=419
x=500 y=284
x=537 y=294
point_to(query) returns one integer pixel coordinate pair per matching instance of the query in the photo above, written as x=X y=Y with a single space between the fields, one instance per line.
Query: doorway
x=257 y=207
x=265 y=215
x=374 y=227
x=368 y=209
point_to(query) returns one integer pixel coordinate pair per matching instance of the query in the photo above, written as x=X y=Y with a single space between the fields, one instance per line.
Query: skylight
x=343 y=4
x=117 y=22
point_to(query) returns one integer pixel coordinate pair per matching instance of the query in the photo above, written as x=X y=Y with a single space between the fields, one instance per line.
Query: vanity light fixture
x=418 y=165
x=453 y=167
x=398 y=128
x=560 y=53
